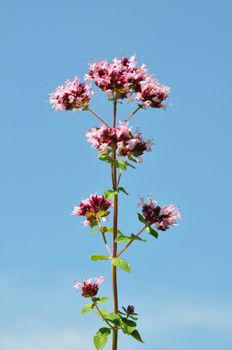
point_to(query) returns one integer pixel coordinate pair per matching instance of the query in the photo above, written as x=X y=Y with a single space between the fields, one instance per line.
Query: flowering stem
x=131 y=241
x=132 y=114
x=115 y=228
x=97 y=116
x=102 y=316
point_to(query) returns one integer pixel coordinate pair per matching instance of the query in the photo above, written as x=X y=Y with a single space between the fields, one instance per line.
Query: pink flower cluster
x=90 y=208
x=127 y=143
x=90 y=286
x=73 y=95
x=152 y=94
x=121 y=78
x=162 y=217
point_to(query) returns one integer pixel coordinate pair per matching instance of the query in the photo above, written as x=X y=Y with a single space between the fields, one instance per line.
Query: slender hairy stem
x=119 y=177
x=131 y=241
x=115 y=228
x=102 y=316
x=98 y=117
x=132 y=114
x=106 y=244
x=104 y=237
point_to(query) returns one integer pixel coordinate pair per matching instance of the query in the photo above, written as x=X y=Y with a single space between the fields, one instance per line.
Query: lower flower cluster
x=89 y=288
x=162 y=217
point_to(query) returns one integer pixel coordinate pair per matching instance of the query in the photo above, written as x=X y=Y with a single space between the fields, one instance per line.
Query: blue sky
x=180 y=284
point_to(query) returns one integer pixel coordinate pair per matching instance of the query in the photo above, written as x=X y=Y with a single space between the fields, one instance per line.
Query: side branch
x=102 y=316
x=104 y=237
x=98 y=117
x=106 y=244
x=132 y=240
x=132 y=114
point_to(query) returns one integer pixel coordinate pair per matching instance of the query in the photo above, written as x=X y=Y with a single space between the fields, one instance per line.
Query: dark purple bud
x=130 y=309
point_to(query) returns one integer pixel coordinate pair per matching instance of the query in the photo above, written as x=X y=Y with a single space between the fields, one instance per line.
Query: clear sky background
x=181 y=283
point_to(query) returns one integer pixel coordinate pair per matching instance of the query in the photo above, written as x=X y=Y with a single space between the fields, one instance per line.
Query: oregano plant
x=121 y=148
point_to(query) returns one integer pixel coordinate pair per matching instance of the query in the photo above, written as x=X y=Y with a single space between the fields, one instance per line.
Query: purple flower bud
x=130 y=309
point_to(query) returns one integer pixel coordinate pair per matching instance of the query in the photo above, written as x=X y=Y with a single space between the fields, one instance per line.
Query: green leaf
x=122 y=264
x=135 y=334
x=110 y=193
x=130 y=165
x=129 y=322
x=100 y=300
x=152 y=231
x=99 y=257
x=141 y=218
x=111 y=229
x=87 y=308
x=93 y=232
x=122 y=189
x=137 y=238
x=104 y=158
x=123 y=238
x=101 y=338
x=121 y=313
x=89 y=214
x=114 y=318
x=102 y=213
x=133 y=160
x=104 y=312
x=120 y=164
x=134 y=318
x=93 y=223
x=104 y=155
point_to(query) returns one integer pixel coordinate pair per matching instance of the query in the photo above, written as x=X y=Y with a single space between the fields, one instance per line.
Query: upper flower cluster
x=91 y=208
x=127 y=143
x=90 y=286
x=163 y=217
x=73 y=95
x=121 y=78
